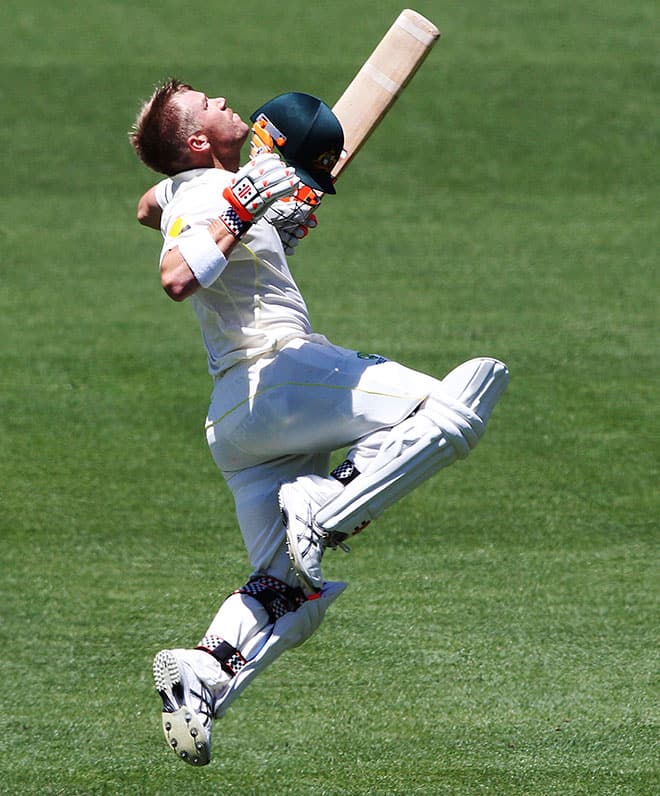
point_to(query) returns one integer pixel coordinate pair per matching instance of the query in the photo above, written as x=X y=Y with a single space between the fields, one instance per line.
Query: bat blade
x=384 y=75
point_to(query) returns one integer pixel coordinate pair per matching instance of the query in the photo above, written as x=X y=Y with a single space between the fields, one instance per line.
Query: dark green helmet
x=307 y=134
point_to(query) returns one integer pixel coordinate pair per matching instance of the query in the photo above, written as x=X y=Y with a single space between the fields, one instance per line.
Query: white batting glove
x=291 y=235
x=293 y=216
x=254 y=188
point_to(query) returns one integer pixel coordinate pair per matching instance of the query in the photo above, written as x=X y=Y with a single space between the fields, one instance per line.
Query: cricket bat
x=370 y=95
x=384 y=75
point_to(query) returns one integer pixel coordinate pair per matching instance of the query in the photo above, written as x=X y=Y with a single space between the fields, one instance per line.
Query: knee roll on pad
x=461 y=427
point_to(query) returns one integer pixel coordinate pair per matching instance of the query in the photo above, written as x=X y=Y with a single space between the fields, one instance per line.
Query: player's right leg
x=388 y=464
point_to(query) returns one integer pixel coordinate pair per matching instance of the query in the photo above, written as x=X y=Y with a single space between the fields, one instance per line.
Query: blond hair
x=161 y=129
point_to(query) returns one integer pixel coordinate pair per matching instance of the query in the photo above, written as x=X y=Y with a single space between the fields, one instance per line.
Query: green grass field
x=500 y=633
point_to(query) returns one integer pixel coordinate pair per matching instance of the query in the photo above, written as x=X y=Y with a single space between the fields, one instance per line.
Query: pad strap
x=227 y=656
x=276 y=597
x=345 y=472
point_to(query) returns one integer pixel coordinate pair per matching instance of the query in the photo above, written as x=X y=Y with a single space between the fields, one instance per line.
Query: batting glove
x=253 y=189
x=293 y=216
x=291 y=236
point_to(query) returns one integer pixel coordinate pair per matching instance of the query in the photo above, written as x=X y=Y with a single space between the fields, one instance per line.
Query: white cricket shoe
x=306 y=540
x=186 y=681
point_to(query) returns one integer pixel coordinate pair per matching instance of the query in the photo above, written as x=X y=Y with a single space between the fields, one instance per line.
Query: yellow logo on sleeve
x=177 y=228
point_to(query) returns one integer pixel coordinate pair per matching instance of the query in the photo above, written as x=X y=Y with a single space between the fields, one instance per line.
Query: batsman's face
x=224 y=128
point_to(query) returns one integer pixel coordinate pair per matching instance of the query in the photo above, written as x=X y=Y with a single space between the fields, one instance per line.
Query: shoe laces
x=206 y=705
x=320 y=538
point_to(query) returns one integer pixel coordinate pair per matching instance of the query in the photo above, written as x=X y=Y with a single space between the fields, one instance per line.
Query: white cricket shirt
x=255 y=305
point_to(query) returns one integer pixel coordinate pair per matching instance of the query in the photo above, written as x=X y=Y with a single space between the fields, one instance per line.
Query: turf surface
x=500 y=632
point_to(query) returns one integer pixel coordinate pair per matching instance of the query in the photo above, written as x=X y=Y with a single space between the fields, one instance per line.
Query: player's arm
x=201 y=255
x=206 y=252
x=149 y=212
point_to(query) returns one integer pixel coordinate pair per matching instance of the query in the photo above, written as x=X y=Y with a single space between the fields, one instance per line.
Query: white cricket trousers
x=281 y=416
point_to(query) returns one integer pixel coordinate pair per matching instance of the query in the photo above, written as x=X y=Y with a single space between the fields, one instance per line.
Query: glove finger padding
x=295 y=209
x=266 y=169
x=292 y=218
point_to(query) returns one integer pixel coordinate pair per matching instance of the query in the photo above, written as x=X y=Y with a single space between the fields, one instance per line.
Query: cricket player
x=284 y=397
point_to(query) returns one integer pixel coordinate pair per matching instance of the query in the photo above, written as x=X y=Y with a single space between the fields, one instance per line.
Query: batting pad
x=290 y=630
